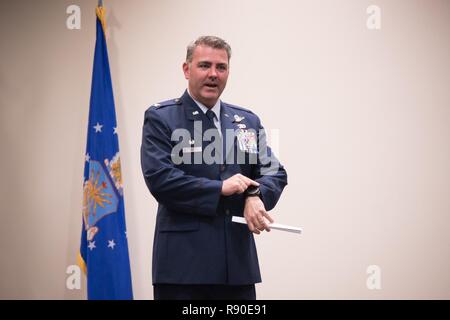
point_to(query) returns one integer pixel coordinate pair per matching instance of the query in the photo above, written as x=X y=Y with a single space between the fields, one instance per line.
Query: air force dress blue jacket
x=195 y=241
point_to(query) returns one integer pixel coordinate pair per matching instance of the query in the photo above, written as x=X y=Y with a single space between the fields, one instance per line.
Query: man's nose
x=212 y=72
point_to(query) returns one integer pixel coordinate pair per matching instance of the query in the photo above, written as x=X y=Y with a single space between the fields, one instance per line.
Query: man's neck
x=209 y=105
x=215 y=108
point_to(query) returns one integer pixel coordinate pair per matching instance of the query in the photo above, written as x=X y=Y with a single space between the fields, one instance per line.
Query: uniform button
x=222 y=167
x=227 y=212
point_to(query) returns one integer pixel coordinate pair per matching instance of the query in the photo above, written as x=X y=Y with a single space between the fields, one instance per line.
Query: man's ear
x=186 y=70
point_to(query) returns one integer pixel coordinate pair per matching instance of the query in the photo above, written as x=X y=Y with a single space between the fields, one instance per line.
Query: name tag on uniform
x=247 y=141
x=192 y=149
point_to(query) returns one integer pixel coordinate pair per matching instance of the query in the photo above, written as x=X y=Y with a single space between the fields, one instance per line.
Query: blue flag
x=104 y=246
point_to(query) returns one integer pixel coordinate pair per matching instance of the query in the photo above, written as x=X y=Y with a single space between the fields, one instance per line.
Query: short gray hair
x=208 y=41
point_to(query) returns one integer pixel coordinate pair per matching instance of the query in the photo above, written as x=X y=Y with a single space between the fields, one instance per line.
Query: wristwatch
x=253 y=192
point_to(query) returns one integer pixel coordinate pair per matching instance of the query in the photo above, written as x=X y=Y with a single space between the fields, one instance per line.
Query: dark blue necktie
x=211 y=115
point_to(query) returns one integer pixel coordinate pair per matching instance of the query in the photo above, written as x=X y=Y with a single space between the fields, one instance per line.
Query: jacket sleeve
x=269 y=172
x=169 y=185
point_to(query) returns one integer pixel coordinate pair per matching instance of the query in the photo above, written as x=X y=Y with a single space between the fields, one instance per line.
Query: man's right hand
x=237 y=184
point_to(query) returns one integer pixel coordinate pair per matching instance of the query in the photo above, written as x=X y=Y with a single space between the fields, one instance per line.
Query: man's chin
x=210 y=92
x=210 y=97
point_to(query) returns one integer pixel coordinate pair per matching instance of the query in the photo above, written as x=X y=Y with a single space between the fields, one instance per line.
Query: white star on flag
x=98 y=127
x=88 y=157
x=115 y=130
x=91 y=245
x=111 y=244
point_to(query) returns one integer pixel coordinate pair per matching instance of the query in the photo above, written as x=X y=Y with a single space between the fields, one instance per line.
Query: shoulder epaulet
x=238 y=108
x=167 y=103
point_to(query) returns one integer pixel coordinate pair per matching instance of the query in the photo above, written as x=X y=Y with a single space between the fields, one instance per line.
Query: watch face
x=253 y=191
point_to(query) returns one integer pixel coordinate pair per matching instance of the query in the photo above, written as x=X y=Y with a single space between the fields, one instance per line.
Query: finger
x=241 y=188
x=250 y=225
x=249 y=182
x=263 y=224
x=246 y=180
x=238 y=187
x=241 y=179
x=258 y=223
x=266 y=227
x=265 y=214
x=253 y=228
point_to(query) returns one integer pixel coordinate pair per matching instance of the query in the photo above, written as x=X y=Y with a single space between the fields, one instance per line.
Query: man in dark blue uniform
x=205 y=161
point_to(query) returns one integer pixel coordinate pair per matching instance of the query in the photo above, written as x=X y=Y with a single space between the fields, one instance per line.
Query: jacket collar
x=194 y=113
x=191 y=109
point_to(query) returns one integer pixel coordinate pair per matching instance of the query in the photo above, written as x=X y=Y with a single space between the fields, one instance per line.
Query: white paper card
x=275 y=226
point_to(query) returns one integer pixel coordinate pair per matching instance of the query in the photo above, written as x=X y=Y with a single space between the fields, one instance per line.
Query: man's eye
x=222 y=68
x=204 y=66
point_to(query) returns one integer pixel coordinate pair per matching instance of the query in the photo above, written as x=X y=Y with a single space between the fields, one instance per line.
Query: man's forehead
x=208 y=54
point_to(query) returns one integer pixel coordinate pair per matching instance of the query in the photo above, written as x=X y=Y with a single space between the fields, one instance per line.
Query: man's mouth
x=211 y=85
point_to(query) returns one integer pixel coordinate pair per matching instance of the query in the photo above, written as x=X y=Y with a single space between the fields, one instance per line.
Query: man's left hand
x=254 y=213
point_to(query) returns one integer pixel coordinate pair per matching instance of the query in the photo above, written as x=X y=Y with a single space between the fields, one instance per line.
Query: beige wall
x=364 y=120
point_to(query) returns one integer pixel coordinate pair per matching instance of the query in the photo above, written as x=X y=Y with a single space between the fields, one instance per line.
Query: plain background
x=363 y=118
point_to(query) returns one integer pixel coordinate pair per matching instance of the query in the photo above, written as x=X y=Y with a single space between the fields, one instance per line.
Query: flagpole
x=104 y=246
x=100 y=11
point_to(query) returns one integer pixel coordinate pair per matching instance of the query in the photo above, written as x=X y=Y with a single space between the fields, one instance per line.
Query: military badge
x=238 y=118
x=247 y=141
